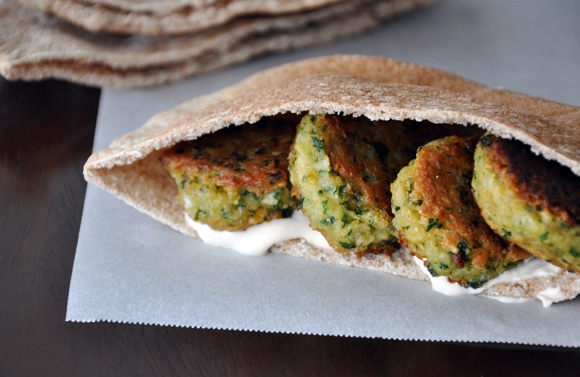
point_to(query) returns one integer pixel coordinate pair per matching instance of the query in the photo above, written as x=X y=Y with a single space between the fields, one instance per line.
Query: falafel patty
x=341 y=168
x=533 y=202
x=439 y=221
x=236 y=177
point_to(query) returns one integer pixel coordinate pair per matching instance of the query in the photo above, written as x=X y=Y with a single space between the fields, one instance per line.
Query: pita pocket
x=377 y=88
x=40 y=46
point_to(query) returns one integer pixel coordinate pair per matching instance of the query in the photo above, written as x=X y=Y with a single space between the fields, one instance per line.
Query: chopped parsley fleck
x=197 y=214
x=432 y=271
x=544 y=236
x=319 y=144
x=506 y=233
x=347 y=245
x=358 y=209
x=463 y=248
x=328 y=221
x=344 y=219
x=433 y=223
x=475 y=285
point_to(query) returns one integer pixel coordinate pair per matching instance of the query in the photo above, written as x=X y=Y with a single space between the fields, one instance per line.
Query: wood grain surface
x=46 y=134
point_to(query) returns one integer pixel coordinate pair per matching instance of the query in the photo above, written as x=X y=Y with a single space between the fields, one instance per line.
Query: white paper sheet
x=129 y=268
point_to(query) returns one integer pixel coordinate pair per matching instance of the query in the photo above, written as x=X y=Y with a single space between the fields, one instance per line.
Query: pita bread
x=39 y=46
x=353 y=85
x=165 y=17
x=168 y=6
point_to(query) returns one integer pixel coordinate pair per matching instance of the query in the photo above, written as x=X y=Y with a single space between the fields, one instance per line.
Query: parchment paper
x=129 y=268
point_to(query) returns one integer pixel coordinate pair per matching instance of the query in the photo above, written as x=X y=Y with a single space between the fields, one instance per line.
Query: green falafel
x=341 y=168
x=438 y=219
x=533 y=202
x=236 y=177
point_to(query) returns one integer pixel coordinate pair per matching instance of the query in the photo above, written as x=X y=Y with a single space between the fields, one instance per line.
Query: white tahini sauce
x=510 y=300
x=530 y=268
x=257 y=239
x=551 y=295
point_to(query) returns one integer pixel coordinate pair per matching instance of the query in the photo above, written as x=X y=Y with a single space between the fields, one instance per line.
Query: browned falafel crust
x=238 y=176
x=541 y=183
x=254 y=157
x=444 y=169
x=368 y=155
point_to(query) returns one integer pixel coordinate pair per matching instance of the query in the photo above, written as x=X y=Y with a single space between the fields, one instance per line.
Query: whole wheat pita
x=167 y=6
x=166 y=17
x=350 y=85
x=39 y=46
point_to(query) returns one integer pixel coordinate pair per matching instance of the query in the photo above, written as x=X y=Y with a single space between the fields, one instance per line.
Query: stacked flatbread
x=350 y=85
x=138 y=43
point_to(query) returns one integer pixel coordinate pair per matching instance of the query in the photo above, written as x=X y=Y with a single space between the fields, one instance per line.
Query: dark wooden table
x=46 y=134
